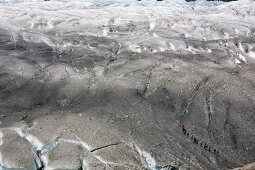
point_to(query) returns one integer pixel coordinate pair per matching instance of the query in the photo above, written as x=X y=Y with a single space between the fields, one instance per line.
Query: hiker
x=184 y=130
x=215 y=151
x=202 y=144
x=195 y=140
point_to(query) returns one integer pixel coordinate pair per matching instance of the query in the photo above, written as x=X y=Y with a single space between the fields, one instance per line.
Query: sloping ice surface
x=127 y=85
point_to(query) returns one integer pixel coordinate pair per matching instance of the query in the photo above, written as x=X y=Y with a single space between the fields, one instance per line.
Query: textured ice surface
x=127 y=84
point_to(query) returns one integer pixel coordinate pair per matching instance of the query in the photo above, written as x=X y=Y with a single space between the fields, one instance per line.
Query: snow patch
x=150 y=161
x=34 y=141
x=152 y=25
x=237 y=61
x=1 y=138
x=251 y=54
x=242 y=58
x=135 y=48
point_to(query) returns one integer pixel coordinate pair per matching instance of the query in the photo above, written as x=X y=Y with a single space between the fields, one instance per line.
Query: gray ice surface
x=126 y=86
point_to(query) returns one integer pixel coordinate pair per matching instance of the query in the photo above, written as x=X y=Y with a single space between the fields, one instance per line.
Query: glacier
x=126 y=84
